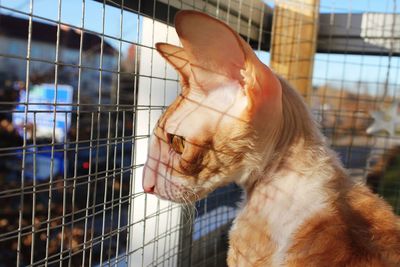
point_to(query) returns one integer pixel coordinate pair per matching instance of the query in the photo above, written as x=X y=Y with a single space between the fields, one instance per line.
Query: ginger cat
x=237 y=121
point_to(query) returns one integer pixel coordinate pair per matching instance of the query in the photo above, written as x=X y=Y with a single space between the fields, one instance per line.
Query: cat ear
x=262 y=86
x=177 y=57
x=217 y=54
x=212 y=48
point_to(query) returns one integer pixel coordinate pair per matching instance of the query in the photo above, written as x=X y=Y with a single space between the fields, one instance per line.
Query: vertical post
x=151 y=228
x=294 y=33
x=185 y=237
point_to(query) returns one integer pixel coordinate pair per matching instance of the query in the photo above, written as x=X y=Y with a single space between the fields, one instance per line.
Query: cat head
x=209 y=136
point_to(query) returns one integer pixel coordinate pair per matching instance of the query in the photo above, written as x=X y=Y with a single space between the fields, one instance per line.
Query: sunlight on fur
x=237 y=121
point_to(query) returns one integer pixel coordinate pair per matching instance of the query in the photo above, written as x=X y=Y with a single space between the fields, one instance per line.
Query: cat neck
x=294 y=144
x=292 y=180
x=282 y=200
x=302 y=160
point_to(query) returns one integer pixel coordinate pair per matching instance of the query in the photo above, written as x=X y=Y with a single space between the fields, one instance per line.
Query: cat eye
x=176 y=142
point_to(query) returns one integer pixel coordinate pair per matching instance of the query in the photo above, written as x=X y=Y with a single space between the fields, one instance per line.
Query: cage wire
x=82 y=88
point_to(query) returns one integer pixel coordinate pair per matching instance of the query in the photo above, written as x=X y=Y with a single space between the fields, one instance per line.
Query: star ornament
x=385 y=120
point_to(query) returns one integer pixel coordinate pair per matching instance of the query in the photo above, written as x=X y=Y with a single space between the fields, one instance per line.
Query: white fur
x=205 y=112
x=285 y=203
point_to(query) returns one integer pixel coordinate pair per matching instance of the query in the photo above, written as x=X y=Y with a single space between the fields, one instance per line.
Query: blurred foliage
x=385 y=177
x=389 y=187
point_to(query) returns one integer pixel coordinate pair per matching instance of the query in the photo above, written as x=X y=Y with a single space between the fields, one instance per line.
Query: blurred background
x=81 y=88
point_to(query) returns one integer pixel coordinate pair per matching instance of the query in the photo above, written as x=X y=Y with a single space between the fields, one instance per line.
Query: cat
x=238 y=121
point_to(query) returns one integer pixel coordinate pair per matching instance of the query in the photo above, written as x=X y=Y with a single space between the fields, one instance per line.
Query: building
x=43 y=48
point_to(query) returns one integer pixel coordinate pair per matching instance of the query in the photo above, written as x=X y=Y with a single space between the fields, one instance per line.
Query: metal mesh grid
x=82 y=87
x=70 y=204
x=348 y=87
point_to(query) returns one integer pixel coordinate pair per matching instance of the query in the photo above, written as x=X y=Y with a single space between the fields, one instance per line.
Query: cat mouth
x=167 y=184
x=180 y=197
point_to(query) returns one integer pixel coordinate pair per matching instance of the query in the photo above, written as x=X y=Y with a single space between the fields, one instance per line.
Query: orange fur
x=242 y=123
x=359 y=230
x=356 y=229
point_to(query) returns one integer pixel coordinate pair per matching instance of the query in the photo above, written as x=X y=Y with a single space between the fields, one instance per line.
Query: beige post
x=294 y=33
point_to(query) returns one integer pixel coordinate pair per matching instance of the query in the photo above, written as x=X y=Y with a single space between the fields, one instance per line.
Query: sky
x=359 y=6
x=71 y=13
x=338 y=70
x=354 y=6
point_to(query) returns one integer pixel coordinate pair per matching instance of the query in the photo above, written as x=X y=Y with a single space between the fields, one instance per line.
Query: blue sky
x=358 y=6
x=71 y=13
x=354 y=6
x=338 y=70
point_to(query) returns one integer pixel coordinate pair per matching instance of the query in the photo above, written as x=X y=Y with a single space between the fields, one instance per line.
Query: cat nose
x=149 y=178
x=149 y=189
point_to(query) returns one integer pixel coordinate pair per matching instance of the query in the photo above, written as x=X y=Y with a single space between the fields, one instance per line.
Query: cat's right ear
x=177 y=57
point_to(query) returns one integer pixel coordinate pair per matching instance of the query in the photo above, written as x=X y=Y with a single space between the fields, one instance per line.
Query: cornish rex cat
x=237 y=121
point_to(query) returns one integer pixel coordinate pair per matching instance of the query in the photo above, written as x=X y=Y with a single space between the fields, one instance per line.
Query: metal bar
x=105 y=190
x=88 y=192
x=123 y=129
x=70 y=238
x=33 y=194
x=49 y=204
x=27 y=79
x=120 y=190
x=132 y=176
x=116 y=134
x=64 y=194
x=148 y=125
x=185 y=239
x=98 y=125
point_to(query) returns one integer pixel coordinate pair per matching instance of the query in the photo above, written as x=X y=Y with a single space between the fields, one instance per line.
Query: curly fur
x=242 y=123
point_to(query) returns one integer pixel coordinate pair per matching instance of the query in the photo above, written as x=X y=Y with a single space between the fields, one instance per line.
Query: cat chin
x=185 y=197
x=178 y=200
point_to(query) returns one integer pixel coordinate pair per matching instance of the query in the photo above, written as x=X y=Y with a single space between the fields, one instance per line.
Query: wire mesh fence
x=81 y=87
